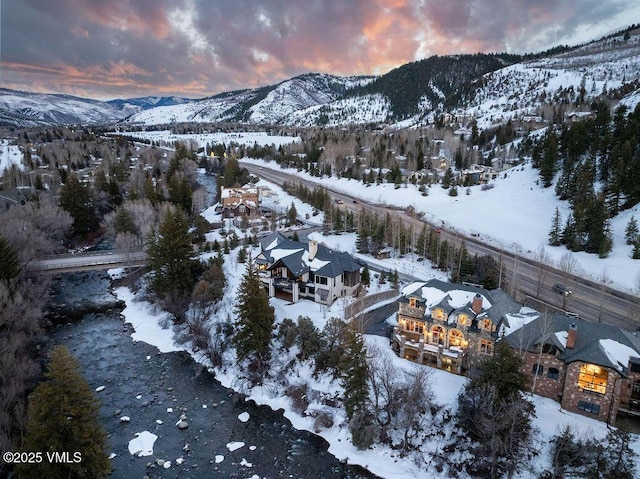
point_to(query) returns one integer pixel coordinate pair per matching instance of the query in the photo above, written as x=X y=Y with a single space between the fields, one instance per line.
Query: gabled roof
x=278 y=250
x=596 y=343
x=454 y=296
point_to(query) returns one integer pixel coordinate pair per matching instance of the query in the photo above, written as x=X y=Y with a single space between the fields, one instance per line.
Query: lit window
x=412 y=302
x=438 y=313
x=486 y=347
x=455 y=338
x=462 y=319
x=487 y=324
x=415 y=326
x=437 y=335
x=538 y=369
x=593 y=378
x=589 y=407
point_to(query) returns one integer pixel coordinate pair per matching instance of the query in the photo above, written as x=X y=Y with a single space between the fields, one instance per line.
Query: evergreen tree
x=171 y=260
x=354 y=372
x=365 y=276
x=502 y=370
x=77 y=199
x=242 y=255
x=254 y=321
x=63 y=416
x=394 y=278
x=123 y=221
x=636 y=250
x=631 y=232
x=554 y=234
x=292 y=215
x=295 y=236
x=9 y=265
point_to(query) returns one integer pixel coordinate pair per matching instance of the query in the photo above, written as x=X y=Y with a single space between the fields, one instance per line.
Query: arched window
x=455 y=338
x=553 y=373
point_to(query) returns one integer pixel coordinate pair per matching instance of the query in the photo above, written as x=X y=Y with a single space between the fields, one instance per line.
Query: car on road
x=560 y=288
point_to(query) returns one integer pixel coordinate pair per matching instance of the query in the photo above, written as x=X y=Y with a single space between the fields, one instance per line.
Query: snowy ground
x=246 y=138
x=381 y=460
x=9 y=155
x=516 y=214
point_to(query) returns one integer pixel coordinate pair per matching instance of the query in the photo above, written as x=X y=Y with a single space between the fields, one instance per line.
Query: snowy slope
x=523 y=89
x=272 y=104
x=608 y=67
x=56 y=109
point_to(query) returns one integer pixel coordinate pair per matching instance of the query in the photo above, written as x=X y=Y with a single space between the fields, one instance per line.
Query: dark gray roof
x=337 y=262
x=501 y=302
x=587 y=346
x=269 y=239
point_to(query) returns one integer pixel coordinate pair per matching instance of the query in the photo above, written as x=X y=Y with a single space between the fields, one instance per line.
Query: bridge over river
x=93 y=260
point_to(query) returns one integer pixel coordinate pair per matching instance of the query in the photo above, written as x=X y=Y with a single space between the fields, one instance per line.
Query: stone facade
x=450 y=338
x=576 y=399
x=547 y=383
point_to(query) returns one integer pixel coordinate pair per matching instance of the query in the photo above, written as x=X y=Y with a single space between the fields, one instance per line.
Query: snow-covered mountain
x=489 y=88
x=607 y=68
x=19 y=108
x=270 y=104
x=134 y=105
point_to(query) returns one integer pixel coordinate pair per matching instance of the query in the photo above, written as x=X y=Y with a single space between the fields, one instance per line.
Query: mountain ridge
x=492 y=88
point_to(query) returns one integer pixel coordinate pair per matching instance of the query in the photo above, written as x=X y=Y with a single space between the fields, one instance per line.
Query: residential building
x=449 y=326
x=293 y=270
x=239 y=202
x=592 y=369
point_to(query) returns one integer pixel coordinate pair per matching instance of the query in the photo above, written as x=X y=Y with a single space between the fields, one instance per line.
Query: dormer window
x=487 y=325
x=413 y=302
x=463 y=319
x=438 y=313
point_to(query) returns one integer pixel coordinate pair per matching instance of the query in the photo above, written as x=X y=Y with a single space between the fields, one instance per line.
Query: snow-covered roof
x=453 y=296
x=295 y=256
x=596 y=343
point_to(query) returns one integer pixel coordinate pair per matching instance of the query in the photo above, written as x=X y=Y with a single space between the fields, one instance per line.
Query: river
x=154 y=389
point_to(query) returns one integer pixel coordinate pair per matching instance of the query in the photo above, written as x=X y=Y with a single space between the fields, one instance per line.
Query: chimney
x=476 y=304
x=572 y=334
x=313 y=249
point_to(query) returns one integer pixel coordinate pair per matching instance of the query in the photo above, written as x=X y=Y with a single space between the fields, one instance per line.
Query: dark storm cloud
x=119 y=48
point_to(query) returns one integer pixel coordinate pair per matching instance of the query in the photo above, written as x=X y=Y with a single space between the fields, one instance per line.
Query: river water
x=154 y=389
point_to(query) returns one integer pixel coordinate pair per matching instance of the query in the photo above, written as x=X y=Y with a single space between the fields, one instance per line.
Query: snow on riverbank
x=381 y=460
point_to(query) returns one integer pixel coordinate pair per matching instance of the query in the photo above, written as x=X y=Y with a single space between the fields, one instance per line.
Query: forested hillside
x=439 y=81
x=598 y=162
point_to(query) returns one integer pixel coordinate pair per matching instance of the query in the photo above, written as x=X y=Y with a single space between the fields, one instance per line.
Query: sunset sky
x=107 y=49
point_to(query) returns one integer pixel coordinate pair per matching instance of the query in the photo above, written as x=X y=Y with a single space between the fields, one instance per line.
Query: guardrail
x=116 y=259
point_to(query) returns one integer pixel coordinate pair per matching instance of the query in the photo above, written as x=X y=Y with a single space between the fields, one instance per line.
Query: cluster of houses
x=589 y=368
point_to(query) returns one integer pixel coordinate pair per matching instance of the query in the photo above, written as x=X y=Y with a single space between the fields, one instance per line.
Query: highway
x=528 y=281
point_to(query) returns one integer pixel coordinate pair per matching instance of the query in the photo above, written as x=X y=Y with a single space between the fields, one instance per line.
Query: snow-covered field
x=217 y=138
x=515 y=215
x=9 y=155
